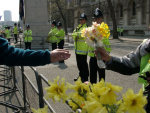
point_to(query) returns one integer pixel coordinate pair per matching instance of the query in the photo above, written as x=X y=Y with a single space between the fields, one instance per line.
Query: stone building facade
x=131 y=15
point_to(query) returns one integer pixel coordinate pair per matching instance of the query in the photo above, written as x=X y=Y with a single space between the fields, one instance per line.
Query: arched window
x=121 y=11
x=133 y=9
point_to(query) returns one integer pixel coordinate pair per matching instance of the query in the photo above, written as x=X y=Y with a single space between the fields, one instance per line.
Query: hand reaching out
x=59 y=55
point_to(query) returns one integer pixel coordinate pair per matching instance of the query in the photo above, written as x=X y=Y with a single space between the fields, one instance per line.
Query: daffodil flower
x=134 y=103
x=40 y=110
x=57 y=90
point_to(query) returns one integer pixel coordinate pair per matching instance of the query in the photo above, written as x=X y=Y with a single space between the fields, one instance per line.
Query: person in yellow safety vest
x=7 y=33
x=120 y=31
x=52 y=35
x=98 y=17
x=60 y=37
x=27 y=37
x=15 y=31
x=81 y=49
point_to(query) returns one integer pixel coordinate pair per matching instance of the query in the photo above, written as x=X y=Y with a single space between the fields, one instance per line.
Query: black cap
x=98 y=13
x=15 y=24
x=54 y=22
x=27 y=26
x=59 y=24
x=83 y=16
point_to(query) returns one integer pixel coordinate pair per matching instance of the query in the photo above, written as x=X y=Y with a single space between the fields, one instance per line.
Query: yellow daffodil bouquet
x=97 y=36
x=102 y=97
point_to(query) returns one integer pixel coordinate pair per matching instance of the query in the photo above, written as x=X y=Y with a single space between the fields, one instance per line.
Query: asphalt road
x=69 y=71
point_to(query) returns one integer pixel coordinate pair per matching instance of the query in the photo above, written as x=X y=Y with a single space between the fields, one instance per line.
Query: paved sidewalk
x=133 y=38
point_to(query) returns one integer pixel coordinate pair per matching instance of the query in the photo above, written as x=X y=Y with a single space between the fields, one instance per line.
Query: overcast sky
x=12 y=5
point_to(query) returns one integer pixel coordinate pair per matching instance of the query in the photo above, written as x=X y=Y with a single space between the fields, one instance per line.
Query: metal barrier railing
x=33 y=97
x=9 y=87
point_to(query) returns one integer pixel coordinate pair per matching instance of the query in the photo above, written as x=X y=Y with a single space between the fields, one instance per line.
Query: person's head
x=27 y=26
x=54 y=23
x=59 y=25
x=83 y=18
x=98 y=16
x=15 y=24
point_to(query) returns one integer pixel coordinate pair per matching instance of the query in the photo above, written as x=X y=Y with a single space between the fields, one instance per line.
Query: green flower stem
x=76 y=104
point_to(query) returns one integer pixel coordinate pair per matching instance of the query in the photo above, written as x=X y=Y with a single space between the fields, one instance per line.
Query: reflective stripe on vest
x=79 y=51
x=80 y=40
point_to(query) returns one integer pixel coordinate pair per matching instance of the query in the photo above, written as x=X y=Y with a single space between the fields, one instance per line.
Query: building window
x=121 y=11
x=133 y=9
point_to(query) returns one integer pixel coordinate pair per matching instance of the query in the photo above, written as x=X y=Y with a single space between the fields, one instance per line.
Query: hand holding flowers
x=97 y=36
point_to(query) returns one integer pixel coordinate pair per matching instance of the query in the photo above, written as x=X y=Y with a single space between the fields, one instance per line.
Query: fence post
x=23 y=84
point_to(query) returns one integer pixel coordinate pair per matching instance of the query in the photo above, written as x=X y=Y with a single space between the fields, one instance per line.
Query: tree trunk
x=115 y=33
x=63 y=17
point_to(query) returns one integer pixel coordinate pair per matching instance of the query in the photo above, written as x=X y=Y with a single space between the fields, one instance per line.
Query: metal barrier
x=9 y=87
x=33 y=97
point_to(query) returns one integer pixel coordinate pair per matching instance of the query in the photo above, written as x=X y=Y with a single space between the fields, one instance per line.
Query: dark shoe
x=61 y=61
x=75 y=79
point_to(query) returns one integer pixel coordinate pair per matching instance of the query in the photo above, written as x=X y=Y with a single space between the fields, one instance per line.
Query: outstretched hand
x=104 y=54
x=59 y=55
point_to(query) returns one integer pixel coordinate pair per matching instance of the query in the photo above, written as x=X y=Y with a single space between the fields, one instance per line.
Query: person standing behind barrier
x=52 y=35
x=7 y=33
x=60 y=37
x=98 y=17
x=81 y=49
x=27 y=37
x=15 y=31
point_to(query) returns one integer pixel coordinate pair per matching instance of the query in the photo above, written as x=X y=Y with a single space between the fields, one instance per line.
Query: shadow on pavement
x=62 y=66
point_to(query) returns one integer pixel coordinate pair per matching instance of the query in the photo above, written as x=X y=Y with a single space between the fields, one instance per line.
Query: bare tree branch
x=62 y=15
x=115 y=33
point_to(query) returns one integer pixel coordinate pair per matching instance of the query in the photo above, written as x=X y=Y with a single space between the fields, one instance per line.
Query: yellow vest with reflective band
x=7 y=32
x=91 y=52
x=60 y=35
x=15 y=30
x=52 y=35
x=81 y=46
x=27 y=36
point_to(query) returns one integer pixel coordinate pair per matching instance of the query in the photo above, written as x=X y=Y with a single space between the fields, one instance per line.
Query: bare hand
x=104 y=55
x=59 y=55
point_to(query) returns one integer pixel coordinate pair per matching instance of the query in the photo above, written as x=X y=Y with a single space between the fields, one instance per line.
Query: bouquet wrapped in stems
x=97 y=36
x=102 y=97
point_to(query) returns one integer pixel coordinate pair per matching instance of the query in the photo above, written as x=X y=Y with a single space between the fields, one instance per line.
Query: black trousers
x=27 y=45
x=82 y=67
x=94 y=69
x=61 y=46
x=54 y=46
x=16 y=37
